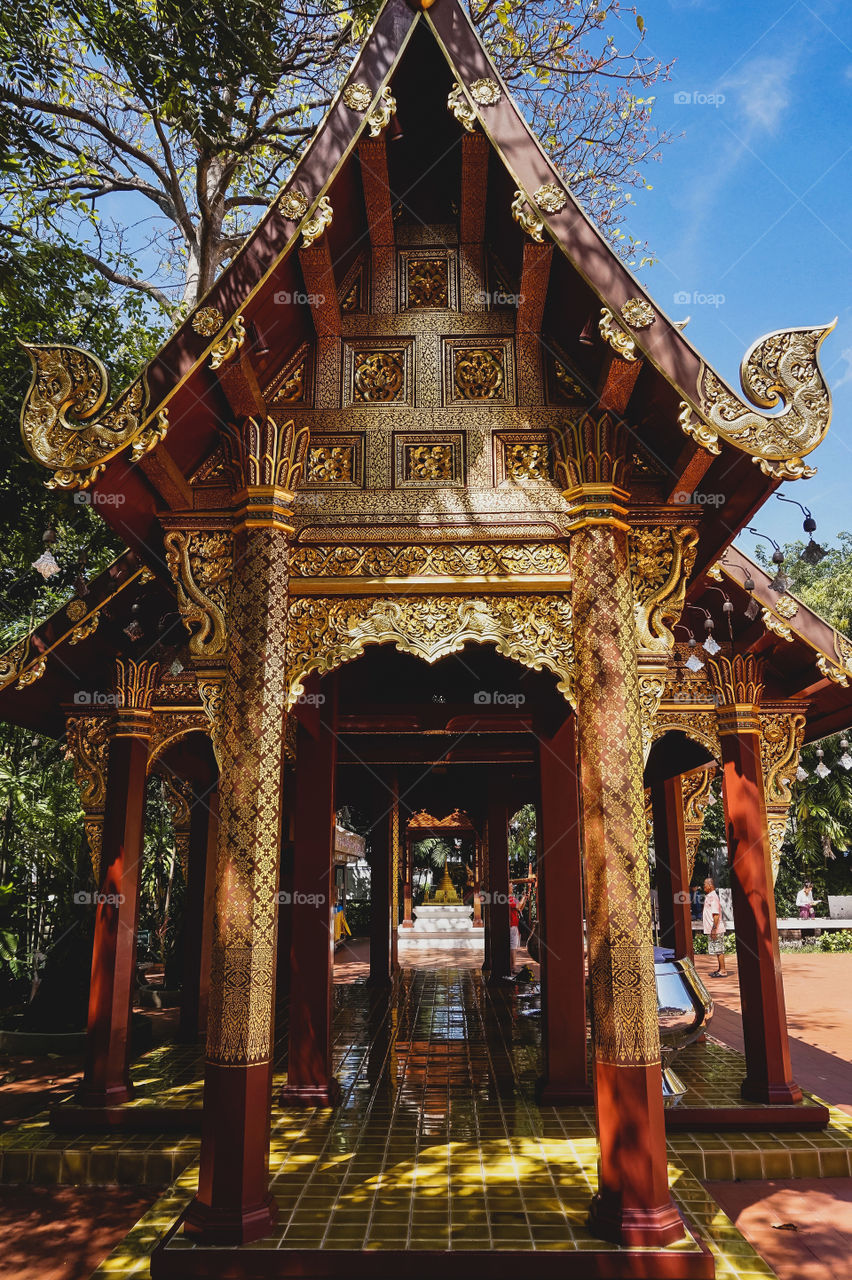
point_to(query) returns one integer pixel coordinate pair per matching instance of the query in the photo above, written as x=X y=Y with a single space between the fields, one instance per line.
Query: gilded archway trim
x=534 y=630
x=169 y=726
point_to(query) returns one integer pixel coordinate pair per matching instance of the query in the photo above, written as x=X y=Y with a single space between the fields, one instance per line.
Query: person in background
x=516 y=906
x=805 y=901
x=714 y=928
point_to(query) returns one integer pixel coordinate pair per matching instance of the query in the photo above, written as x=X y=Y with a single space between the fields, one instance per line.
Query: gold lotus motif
x=294 y=205
x=638 y=313
x=207 y=321
x=357 y=96
x=486 y=92
x=550 y=198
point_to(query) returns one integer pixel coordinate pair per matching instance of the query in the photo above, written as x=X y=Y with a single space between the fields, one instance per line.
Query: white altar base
x=441 y=927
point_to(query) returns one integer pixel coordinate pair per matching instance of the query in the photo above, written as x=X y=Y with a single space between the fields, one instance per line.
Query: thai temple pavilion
x=427 y=411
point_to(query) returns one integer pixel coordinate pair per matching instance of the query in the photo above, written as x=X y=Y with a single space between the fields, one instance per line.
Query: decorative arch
x=534 y=630
x=168 y=726
x=700 y=726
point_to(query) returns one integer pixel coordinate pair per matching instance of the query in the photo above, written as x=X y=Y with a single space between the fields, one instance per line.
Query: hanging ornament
x=710 y=644
x=822 y=770
x=801 y=774
x=845 y=759
x=46 y=565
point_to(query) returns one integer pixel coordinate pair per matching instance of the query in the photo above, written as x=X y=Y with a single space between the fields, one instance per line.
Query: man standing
x=714 y=928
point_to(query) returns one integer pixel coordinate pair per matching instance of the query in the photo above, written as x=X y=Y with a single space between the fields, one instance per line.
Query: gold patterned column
x=633 y=1204
x=233 y=1204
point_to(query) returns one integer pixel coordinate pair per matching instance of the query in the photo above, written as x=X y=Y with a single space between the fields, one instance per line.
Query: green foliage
x=53 y=295
x=162 y=884
x=43 y=859
x=523 y=841
x=825 y=587
x=836 y=940
x=154 y=134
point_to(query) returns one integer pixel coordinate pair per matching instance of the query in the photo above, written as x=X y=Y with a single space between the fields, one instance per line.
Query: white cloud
x=761 y=89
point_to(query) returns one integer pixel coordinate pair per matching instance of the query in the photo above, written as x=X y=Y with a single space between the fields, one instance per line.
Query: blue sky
x=752 y=204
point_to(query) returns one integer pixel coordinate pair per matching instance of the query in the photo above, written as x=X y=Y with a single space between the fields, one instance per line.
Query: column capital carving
x=593 y=462
x=266 y=461
x=695 y=789
x=661 y=562
x=737 y=684
x=135 y=683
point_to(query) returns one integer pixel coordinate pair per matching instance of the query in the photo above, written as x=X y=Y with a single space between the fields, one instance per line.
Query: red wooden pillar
x=738 y=684
x=478 y=922
x=201 y=895
x=498 y=955
x=564 y=1078
x=310 y=1082
x=106 y=1077
x=633 y=1205
x=408 y=886
x=380 y=800
x=672 y=870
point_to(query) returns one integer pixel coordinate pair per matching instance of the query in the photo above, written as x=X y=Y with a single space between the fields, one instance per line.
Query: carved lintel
x=535 y=630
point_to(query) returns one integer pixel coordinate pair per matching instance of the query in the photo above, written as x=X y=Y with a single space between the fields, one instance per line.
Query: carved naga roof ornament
x=781 y=368
x=64 y=424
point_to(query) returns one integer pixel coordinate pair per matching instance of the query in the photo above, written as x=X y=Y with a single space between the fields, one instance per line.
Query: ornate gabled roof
x=426 y=212
x=427 y=66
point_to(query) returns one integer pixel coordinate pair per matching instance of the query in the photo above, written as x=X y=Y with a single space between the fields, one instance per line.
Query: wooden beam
x=167 y=478
x=472 y=210
x=690 y=469
x=241 y=387
x=375 y=180
x=616 y=382
x=321 y=288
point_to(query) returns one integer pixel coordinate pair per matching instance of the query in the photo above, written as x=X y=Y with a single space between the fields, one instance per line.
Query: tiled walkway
x=438 y=1143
